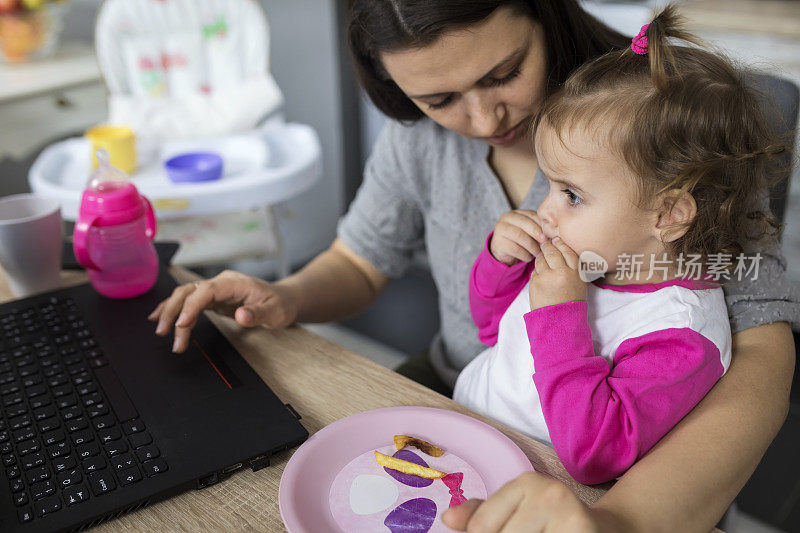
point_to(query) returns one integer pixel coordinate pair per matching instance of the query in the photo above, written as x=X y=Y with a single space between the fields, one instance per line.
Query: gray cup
x=31 y=234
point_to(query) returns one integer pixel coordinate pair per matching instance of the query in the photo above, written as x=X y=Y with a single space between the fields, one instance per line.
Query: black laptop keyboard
x=68 y=430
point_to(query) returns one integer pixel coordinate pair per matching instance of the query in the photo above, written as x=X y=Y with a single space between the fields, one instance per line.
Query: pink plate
x=305 y=485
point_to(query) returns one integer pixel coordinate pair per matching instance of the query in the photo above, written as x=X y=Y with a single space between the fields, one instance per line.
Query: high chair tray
x=263 y=167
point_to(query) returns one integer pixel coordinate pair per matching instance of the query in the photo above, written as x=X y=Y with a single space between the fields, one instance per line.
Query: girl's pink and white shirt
x=603 y=379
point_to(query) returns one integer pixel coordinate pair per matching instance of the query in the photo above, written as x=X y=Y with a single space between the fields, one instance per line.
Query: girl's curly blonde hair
x=682 y=118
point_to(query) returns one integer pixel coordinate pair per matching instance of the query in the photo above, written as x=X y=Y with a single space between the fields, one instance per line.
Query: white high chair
x=191 y=75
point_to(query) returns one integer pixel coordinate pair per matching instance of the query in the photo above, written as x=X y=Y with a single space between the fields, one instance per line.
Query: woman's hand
x=251 y=301
x=529 y=503
x=555 y=279
x=516 y=237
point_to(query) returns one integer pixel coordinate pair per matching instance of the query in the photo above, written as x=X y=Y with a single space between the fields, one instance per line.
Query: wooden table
x=323 y=382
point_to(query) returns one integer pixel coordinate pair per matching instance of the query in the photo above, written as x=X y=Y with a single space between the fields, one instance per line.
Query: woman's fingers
x=153 y=317
x=171 y=307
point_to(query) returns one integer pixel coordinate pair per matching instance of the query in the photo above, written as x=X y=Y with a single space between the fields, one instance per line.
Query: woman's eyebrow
x=499 y=66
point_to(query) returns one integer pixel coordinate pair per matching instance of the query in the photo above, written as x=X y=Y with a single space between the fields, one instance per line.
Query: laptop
x=99 y=418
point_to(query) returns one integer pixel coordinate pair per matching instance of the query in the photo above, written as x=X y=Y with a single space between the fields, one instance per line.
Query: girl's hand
x=555 y=279
x=251 y=301
x=516 y=237
x=529 y=503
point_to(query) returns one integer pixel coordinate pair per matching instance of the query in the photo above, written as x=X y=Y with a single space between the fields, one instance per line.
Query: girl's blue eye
x=572 y=198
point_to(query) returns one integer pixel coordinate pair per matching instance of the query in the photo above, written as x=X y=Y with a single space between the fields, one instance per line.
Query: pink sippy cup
x=114 y=233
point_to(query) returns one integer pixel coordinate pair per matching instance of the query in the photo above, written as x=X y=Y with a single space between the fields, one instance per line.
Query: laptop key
x=8 y=388
x=6 y=446
x=37 y=474
x=122 y=462
x=43 y=488
x=25 y=514
x=41 y=401
x=16 y=485
x=87 y=388
x=4 y=435
x=44 y=412
x=94 y=464
x=110 y=434
x=32 y=460
x=75 y=494
x=12 y=399
x=148 y=452
x=27 y=446
x=91 y=399
x=129 y=476
x=79 y=369
x=53 y=437
x=82 y=437
x=61 y=390
x=134 y=426
x=49 y=505
x=33 y=379
x=155 y=466
x=20 y=498
x=64 y=463
x=36 y=390
x=97 y=410
x=49 y=424
x=101 y=482
x=24 y=434
x=57 y=450
x=67 y=401
x=103 y=422
x=19 y=422
x=59 y=379
x=71 y=413
x=76 y=424
x=69 y=477
x=9 y=459
x=12 y=472
x=16 y=410
x=116 y=448
x=85 y=451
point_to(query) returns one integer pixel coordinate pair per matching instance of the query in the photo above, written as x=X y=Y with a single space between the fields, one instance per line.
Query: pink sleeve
x=603 y=418
x=492 y=287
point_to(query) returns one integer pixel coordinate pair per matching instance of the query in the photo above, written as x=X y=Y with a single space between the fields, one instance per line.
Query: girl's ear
x=675 y=215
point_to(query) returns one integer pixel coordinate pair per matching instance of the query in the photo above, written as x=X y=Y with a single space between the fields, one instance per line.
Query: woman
x=478 y=70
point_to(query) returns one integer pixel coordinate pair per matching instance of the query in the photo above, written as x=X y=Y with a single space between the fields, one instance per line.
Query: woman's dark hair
x=572 y=38
x=683 y=119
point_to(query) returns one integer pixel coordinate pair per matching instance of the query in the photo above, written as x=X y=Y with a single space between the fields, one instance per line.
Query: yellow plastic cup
x=118 y=141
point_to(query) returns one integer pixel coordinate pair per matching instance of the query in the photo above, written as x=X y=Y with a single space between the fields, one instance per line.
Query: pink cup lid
x=112 y=202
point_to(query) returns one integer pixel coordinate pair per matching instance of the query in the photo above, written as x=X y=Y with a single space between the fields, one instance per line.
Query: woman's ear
x=676 y=213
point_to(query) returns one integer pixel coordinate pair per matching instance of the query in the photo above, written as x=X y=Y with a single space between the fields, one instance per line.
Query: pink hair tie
x=639 y=43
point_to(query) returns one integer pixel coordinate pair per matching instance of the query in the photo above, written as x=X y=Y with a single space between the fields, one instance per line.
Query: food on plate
x=401 y=441
x=407 y=467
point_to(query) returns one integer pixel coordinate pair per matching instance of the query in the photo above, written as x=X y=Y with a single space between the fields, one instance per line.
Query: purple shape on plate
x=412 y=516
x=408 y=479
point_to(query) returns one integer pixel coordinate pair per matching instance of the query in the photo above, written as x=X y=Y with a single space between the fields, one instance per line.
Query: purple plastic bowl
x=193 y=167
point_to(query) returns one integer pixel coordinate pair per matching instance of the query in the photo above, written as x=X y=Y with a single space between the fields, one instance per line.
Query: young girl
x=655 y=156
